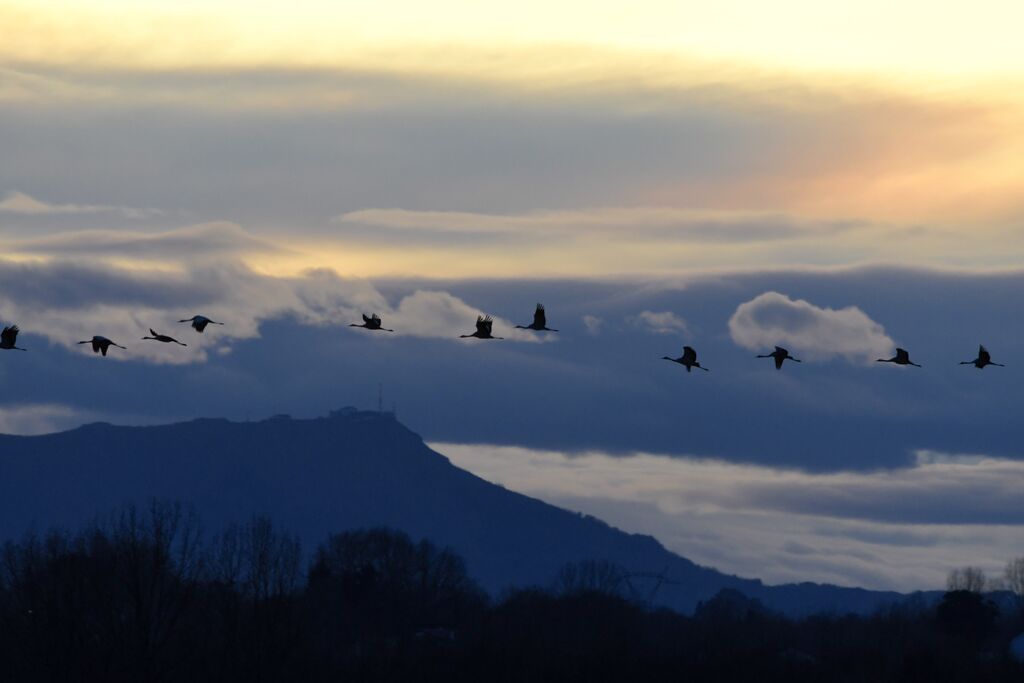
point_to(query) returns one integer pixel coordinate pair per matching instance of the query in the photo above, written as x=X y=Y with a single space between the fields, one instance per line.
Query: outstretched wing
x=481 y=324
x=375 y=319
x=539 y=319
x=367 y=319
x=983 y=355
x=9 y=336
x=781 y=351
x=779 y=358
x=902 y=354
x=486 y=325
x=689 y=354
x=199 y=324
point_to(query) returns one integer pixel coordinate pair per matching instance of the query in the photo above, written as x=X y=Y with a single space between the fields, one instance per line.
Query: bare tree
x=971 y=579
x=1013 y=577
x=599 y=576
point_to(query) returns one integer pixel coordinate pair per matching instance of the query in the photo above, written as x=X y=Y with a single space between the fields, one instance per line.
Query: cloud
x=663 y=322
x=40 y=418
x=441 y=315
x=903 y=528
x=630 y=223
x=21 y=203
x=79 y=291
x=772 y=318
x=206 y=240
x=593 y=324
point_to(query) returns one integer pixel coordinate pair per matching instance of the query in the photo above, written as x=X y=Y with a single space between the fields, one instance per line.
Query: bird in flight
x=540 y=321
x=163 y=338
x=483 y=329
x=100 y=344
x=902 y=357
x=780 y=354
x=983 y=359
x=9 y=337
x=371 y=323
x=199 y=322
x=688 y=360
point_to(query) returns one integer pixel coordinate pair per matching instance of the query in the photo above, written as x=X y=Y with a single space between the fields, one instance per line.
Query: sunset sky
x=839 y=178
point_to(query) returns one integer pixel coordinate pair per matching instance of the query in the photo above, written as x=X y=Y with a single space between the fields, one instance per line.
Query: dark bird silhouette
x=688 y=360
x=163 y=338
x=9 y=337
x=902 y=357
x=540 y=321
x=483 y=329
x=983 y=359
x=371 y=323
x=199 y=322
x=100 y=344
x=780 y=354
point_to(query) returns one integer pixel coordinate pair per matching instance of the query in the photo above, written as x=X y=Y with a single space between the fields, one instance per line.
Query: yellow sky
x=904 y=114
x=931 y=40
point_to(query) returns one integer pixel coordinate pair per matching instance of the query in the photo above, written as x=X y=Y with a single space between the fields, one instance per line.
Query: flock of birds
x=689 y=358
x=484 y=330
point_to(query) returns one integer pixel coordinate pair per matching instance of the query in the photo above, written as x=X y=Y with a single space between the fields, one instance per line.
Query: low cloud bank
x=896 y=529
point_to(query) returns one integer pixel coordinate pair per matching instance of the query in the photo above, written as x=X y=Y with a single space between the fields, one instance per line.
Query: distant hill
x=350 y=470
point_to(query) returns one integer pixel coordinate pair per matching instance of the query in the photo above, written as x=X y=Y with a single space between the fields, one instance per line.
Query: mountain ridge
x=353 y=469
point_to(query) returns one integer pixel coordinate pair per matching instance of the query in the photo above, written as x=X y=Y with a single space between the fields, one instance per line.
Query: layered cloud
x=632 y=223
x=69 y=287
x=595 y=173
x=21 y=203
x=773 y=318
x=206 y=241
x=904 y=528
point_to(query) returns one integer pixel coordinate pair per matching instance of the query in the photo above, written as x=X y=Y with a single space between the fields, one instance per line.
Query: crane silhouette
x=163 y=338
x=540 y=321
x=101 y=344
x=199 y=322
x=902 y=357
x=9 y=339
x=483 y=329
x=983 y=359
x=371 y=323
x=780 y=354
x=688 y=360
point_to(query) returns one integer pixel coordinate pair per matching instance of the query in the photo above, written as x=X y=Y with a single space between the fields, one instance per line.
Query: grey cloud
x=21 y=203
x=661 y=322
x=208 y=240
x=79 y=294
x=593 y=324
x=628 y=223
x=789 y=535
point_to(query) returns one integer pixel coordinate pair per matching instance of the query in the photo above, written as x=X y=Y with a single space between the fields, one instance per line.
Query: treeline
x=143 y=596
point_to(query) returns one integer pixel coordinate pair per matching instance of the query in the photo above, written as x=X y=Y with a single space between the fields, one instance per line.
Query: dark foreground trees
x=142 y=597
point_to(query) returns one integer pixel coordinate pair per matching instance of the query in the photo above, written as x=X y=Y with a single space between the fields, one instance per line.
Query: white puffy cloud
x=772 y=318
x=892 y=529
x=439 y=314
x=661 y=322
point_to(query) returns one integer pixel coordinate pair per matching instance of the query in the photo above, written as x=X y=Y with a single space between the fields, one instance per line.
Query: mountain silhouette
x=353 y=469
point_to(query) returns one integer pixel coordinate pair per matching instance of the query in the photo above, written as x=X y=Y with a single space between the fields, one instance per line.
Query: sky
x=837 y=179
